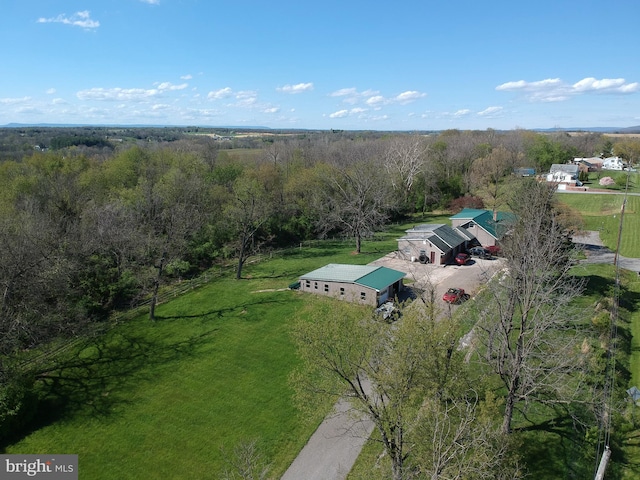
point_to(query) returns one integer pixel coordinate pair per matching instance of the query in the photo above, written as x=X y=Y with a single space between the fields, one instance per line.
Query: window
x=363 y=295
x=342 y=291
x=307 y=283
x=326 y=287
x=315 y=285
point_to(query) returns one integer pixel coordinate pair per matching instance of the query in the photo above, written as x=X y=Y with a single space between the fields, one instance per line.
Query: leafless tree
x=355 y=196
x=404 y=161
x=528 y=328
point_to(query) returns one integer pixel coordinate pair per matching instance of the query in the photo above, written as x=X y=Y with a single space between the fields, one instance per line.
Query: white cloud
x=409 y=96
x=168 y=86
x=339 y=114
x=343 y=92
x=555 y=90
x=50 y=91
x=490 y=112
x=461 y=113
x=351 y=95
x=58 y=101
x=117 y=94
x=271 y=110
x=376 y=100
x=186 y=77
x=297 y=88
x=14 y=101
x=225 y=92
x=151 y=2
x=79 y=19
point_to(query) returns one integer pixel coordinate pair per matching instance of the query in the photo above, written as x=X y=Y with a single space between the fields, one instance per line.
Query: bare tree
x=250 y=208
x=246 y=463
x=404 y=161
x=528 y=329
x=356 y=197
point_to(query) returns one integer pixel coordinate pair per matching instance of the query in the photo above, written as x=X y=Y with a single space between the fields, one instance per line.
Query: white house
x=563 y=173
x=613 y=163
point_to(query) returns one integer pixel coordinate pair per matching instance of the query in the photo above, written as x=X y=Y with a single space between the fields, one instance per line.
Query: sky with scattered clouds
x=341 y=64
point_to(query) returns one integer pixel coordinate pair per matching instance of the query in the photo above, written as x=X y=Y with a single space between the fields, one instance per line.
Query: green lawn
x=601 y=212
x=171 y=399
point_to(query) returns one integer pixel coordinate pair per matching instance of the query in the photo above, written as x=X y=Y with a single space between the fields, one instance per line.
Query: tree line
x=86 y=232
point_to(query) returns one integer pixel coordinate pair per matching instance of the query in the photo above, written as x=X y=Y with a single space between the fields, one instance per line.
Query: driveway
x=596 y=252
x=334 y=447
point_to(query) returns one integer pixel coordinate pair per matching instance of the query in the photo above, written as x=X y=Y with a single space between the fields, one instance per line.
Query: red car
x=462 y=258
x=454 y=295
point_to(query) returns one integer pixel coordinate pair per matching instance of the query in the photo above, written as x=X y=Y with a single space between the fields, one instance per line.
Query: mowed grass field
x=601 y=212
x=172 y=399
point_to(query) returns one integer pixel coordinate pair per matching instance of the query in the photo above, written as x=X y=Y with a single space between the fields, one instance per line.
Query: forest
x=94 y=221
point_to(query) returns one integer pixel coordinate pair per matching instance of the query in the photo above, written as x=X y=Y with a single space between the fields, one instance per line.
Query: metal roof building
x=368 y=284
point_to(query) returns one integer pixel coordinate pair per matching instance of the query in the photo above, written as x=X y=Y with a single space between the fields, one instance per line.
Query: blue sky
x=342 y=64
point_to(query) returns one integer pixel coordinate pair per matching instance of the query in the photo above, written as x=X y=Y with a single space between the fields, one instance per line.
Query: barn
x=366 y=284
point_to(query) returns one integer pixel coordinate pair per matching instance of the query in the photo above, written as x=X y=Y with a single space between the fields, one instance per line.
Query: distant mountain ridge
x=629 y=130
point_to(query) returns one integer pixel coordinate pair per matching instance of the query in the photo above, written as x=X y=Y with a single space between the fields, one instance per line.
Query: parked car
x=493 y=249
x=454 y=295
x=479 y=252
x=462 y=258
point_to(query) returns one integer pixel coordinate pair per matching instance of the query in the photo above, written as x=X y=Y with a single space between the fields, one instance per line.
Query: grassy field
x=173 y=398
x=601 y=212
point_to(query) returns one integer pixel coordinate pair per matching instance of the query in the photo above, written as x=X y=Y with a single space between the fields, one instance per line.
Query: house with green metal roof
x=433 y=243
x=486 y=226
x=367 y=284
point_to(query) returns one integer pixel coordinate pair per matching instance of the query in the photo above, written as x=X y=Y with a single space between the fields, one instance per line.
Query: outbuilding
x=366 y=284
x=433 y=243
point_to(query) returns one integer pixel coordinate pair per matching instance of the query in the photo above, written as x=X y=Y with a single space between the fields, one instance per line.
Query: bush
x=607 y=181
x=468 y=201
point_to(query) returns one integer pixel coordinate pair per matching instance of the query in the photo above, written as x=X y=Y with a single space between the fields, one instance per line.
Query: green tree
x=401 y=376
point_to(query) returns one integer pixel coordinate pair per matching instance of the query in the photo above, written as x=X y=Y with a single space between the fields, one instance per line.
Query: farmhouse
x=563 y=173
x=613 y=163
x=366 y=284
x=486 y=226
x=436 y=243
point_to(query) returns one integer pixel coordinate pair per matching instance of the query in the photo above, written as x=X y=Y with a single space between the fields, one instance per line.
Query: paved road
x=334 y=447
x=596 y=252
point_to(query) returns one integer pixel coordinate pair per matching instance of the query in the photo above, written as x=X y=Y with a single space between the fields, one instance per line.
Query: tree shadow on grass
x=221 y=312
x=98 y=377
x=555 y=448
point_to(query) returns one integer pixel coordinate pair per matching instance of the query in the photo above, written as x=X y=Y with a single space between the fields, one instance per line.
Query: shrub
x=607 y=181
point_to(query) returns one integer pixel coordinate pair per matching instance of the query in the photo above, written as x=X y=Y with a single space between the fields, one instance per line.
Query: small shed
x=367 y=284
